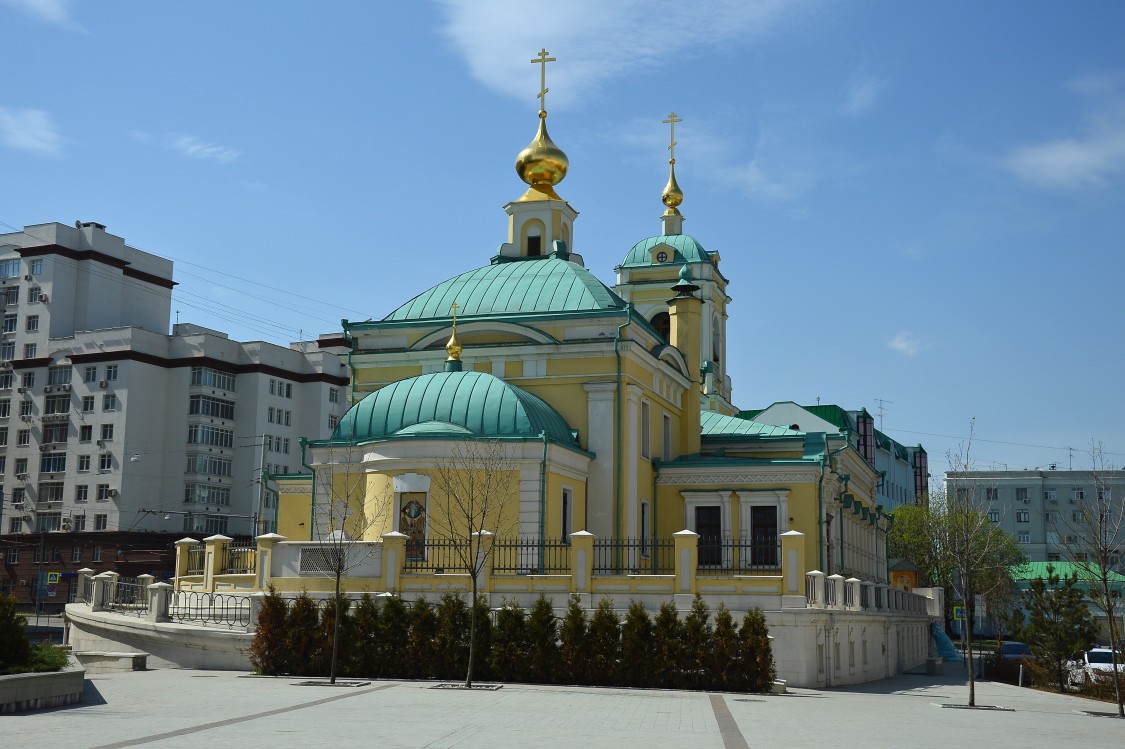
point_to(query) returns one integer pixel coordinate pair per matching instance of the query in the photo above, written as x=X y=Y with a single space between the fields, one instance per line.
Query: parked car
x=1091 y=664
x=1015 y=651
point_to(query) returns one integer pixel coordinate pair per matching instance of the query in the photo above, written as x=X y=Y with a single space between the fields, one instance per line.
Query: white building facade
x=109 y=423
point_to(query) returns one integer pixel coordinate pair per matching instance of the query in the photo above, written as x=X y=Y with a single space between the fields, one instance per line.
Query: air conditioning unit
x=103 y=384
x=1027 y=501
x=21 y=390
x=5 y=365
x=113 y=492
x=101 y=443
x=43 y=448
x=21 y=476
x=43 y=298
x=27 y=277
x=64 y=388
x=26 y=417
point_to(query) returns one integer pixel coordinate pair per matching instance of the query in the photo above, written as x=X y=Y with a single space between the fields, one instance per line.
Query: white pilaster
x=599 y=440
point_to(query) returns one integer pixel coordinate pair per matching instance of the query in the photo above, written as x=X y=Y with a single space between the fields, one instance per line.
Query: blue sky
x=919 y=203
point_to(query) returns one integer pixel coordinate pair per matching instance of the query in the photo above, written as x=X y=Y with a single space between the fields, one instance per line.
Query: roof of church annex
x=452 y=404
x=520 y=287
x=687 y=249
x=715 y=424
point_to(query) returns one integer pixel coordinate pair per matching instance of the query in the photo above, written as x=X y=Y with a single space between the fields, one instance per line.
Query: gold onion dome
x=453 y=347
x=542 y=164
x=672 y=195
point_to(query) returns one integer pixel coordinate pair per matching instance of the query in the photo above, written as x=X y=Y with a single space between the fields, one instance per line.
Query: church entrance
x=412 y=523
x=709 y=526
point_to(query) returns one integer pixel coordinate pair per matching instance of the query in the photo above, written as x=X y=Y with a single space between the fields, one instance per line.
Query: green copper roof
x=451 y=404
x=547 y=284
x=713 y=423
x=1032 y=570
x=686 y=250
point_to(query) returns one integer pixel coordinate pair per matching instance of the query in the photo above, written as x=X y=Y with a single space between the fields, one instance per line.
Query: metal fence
x=635 y=556
x=125 y=596
x=530 y=556
x=210 y=608
x=86 y=592
x=438 y=556
x=196 y=558
x=725 y=556
x=241 y=557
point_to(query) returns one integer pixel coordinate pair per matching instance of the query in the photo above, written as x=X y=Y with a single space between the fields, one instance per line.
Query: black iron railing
x=530 y=556
x=196 y=558
x=125 y=596
x=634 y=556
x=241 y=557
x=439 y=556
x=210 y=608
x=726 y=556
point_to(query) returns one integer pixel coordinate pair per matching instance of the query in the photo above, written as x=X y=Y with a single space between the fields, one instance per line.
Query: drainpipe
x=304 y=441
x=655 y=504
x=617 y=465
x=543 y=501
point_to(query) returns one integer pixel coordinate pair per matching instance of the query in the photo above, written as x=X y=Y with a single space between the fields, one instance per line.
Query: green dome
x=447 y=404
x=686 y=249
x=523 y=286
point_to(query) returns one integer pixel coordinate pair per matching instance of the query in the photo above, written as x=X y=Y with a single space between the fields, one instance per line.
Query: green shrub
x=303 y=635
x=452 y=640
x=603 y=644
x=269 y=650
x=572 y=644
x=722 y=661
x=697 y=644
x=636 y=647
x=393 y=639
x=755 y=656
x=328 y=635
x=667 y=648
x=46 y=657
x=15 y=650
x=363 y=651
x=510 y=659
x=420 y=642
x=543 y=643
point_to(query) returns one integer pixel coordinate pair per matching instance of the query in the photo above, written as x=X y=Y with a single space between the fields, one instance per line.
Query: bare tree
x=475 y=485
x=342 y=516
x=1093 y=540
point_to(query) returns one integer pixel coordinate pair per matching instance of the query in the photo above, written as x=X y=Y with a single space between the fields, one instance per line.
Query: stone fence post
x=834 y=592
x=581 y=561
x=792 y=567
x=814 y=588
x=262 y=564
x=158 y=595
x=101 y=591
x=394 y=559
x=483 y=562
x=84 y=574
x=215 y=559
x=851 y=598
x=687 y=561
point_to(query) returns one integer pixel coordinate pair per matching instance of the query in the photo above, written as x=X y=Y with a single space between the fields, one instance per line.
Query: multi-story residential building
x=110 y=423
x=1040 y=508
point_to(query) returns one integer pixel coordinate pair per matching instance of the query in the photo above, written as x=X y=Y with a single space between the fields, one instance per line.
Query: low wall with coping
x=20 y=692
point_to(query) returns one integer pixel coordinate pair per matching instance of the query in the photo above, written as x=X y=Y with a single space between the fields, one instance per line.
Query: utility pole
x=882 y=410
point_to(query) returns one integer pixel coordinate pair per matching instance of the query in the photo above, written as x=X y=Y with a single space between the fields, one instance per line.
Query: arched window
x=663 y=325
x=716 y=338
x=534 y=238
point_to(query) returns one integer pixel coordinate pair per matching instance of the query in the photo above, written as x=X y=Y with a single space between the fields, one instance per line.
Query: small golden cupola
x=453 y=347
x=539 y=221
x=672 y=196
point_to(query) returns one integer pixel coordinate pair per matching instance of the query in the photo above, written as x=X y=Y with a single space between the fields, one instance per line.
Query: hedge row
x=386 y=638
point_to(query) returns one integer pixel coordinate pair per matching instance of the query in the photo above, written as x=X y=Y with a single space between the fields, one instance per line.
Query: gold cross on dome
x=455 y=307
x=542 y=61
x=672 y=120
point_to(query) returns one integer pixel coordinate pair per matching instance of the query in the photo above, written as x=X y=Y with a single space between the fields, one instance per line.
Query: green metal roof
x=713 y=423
x=687 y=249
x=546 y=284
x=1032 y=570
x=452 y=404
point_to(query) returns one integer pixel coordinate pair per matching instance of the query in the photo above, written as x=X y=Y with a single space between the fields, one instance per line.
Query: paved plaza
x=180 y=708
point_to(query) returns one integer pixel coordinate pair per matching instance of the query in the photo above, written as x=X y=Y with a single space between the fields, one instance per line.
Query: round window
x=662 y=257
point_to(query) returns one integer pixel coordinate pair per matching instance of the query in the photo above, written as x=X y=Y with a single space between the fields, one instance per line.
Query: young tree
x=1092 y=538
x=343 y=515
x=420 y=641
x=572 y=642
x=723 y=656
x=269 y=651
x=636 y=646
x=604 y=643
x=697 y=642
x=668 y=647
x=473 y=487
x=511 y=655
x=543 y=642
x=756 y=669
x=1059 y=623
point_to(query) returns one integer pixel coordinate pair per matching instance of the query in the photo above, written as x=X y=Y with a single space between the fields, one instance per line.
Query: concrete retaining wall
x=21 y=692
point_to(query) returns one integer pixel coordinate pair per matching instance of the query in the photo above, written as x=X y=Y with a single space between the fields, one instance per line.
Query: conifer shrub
x=303 y=637
x=393 y=638
x=667 y=648
x=452 y=639
x=269 y=650
x=755 y=656
x=572 y=644
x=603 y=645
x=15 y=649
x=510 y=657
x=697 y=644
x=483 y=647
x=328 y=633
x=364 y=650
x=636 y=669
x=543 y=643
x=722 y=660
x=421 y=640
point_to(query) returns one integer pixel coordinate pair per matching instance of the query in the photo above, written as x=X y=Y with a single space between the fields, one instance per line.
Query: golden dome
x=542 y=164
x=453 y=347
x=672 y=195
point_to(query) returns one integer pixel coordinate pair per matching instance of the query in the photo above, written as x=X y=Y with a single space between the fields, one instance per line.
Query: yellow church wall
x=294 y=505
x=555 y=484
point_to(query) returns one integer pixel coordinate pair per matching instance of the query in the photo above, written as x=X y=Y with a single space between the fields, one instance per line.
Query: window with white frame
x=82 y=493
x=103 y=493
x=1024 y=537
x=101 y=522
x=566 y=514
x=78 y=523
x=994 y=516
x=105 y=462
x=666 y=438
x=109 y=402
x=83 y=463
x=90 y=374
x=97 y=555
x=1023 y=516
x=646 y=445
x=111 y=372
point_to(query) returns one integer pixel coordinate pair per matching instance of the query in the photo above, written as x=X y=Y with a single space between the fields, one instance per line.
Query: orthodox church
x=613 y=406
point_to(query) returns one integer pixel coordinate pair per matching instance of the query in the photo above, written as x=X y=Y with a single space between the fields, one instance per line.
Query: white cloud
x=56 y=12
x=140 y=136
x=29 y=130
x=598 y=40
x=862 y=93
x=1090 y=159
x=905 y=343
x=193 y=147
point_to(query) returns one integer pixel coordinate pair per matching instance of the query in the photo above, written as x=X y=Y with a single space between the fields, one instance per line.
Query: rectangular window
x=1053 y=556
x=991 y=495
x=46 y=522
x=5 y=407
x=83 y=463
x=7 y=351
x=1077 y=495
x=212 y=378
x=1052 y=537
x=10 y=322
x=15 y=525
x=202 y=434
x=52 y=463
x=1021 y=495
x=333 y=421
x=1105 y=495
x=13 y=555
x=26 y=408
x=644 y=529
x=30 y=350
x=994 y=516
x=85 y=433
x=1025 y=537
x=36 y=266
x=666 y=438
x=203 y=405
x=21 y=466
x=567 y=510
x=33 y=295
x=56 y=432
x=97 y=555
x=11 y=295
x=209 y=465
x=101 y=522
x=107 y=432
x=18 y=495
x=31 y=325
x=1050 y=495
x=51 y=491
x=111 y=372
x=103 y=493
x=1076 y=516
x=23 y=438
x=82 y=493
x=90 y=374
x=1023 y=516
x=109 y=402
x=9 y=268
x=105 y=462
x=78 y=523
x=76 y=554
x=333 y=395
x=286 y=450
x=56 y=404
x=288 y=417
x=87 y=404
x=289 y=390
x=1049 y=517
x=5 y=380
x=3 y=467
x=207 y=494
x=27 y=379
x=645 y=436
x=273 y=386
x=269 y=414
